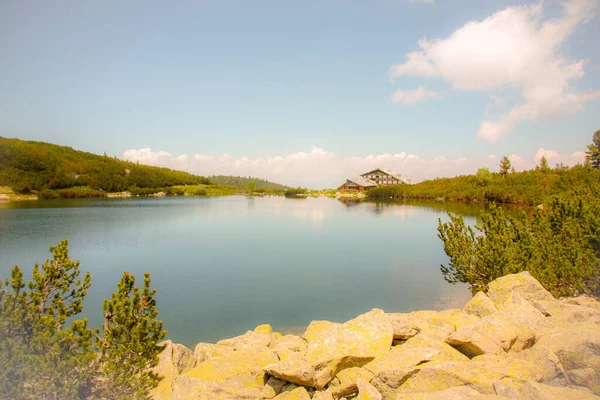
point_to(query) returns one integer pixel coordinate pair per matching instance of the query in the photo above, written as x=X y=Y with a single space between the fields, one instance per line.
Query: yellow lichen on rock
x=366 y=391
x=480 y=305
x=296 y=394
x=243 y=368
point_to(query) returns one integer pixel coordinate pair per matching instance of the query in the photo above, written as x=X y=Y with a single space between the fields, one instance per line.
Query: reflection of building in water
x=379 y=208
x=373 y=179
x=350 y=202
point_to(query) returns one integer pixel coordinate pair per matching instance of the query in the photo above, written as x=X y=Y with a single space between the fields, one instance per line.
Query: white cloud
x=319 y=168
x=413 y=96
x=549 y=154
x=514 y=48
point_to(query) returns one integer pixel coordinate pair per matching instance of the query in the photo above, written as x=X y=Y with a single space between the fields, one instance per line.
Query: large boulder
x=453 y=393
x=404 y=326
x=393 y=368
x=366 y=391
x=519 y=308
x=344 y=383
x=172 y=361
x=522 y=283
x=572 y=331
x=496 y=334
x=206 y=351
x=540 y=391
x=446 y=352
x=333 y=347
x=272 y=388
x=323 y=395
x=437 y=324
x=480 y=306
x=288 y=346
x=186 y=388
x=479 y=374
x=242 y=369
x=260 y=337
x=548 y=363
x=299 y=393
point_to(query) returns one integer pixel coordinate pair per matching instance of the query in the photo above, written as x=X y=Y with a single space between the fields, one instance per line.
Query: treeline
x=239 y=182
x=28 y=166
x=522 y=188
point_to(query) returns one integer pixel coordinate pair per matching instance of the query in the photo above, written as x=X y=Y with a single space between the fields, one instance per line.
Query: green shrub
x=79 y=193
x=295 y=192
x=558 y=244
x=48 y=194
x=201 y=191
x=43 y=358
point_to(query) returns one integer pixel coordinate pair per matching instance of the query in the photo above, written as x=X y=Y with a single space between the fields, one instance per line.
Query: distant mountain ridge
x=27 y=166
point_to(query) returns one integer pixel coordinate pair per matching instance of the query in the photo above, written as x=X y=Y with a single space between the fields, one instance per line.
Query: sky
x=305 y=93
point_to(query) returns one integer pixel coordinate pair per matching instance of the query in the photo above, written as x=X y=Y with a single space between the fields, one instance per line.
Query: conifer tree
x=593 y=153
x=129 y=339
x=42 y=358
x=544 y=167
x=505 y=165
x=558 y=244
x=39 y=357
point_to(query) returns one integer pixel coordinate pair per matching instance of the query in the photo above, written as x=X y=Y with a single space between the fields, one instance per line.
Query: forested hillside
x=239 y=182
x=26 y=166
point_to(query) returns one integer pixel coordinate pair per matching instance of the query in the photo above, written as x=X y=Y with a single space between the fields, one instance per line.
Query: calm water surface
x=224 y=265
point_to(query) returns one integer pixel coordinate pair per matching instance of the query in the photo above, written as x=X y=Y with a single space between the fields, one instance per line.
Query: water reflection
x=225 y=265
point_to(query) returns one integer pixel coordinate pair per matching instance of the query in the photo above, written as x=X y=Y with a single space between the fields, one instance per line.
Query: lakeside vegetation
x=43 y=358
x=529 y=188
x=558 y=241
x=256 y=184
x=51 y=172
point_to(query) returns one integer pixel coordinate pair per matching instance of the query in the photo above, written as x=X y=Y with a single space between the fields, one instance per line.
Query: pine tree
x=544 y=167
x=39 y=357
x=42 y=358
x=593 y=153
x=558 y=245
x=129 y=340
x=505 y=165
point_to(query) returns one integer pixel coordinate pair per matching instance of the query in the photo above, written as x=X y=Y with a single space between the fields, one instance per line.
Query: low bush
x=558 y=243
x=295 y=192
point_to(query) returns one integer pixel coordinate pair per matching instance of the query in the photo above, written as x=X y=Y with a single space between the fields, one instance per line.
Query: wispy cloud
x=319 y=168
x=413 y=96
x=513 y=48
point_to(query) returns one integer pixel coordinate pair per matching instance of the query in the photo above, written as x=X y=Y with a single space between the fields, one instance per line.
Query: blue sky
x=244 y=85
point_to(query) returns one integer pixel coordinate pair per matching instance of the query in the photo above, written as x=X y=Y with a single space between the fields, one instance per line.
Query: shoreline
x=516 y=342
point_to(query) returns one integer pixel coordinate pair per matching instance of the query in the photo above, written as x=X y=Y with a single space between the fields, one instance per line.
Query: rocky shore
x=515 y=342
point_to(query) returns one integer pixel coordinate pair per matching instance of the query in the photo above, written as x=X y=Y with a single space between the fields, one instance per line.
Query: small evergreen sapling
x=129 y=341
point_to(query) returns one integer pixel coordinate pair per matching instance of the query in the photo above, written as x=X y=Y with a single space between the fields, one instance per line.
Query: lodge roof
x=362 y=182
x=390 y=173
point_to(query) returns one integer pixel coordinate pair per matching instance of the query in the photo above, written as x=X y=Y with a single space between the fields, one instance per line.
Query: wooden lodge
x=373 y=179
x=357 y=184
x=383 y=177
